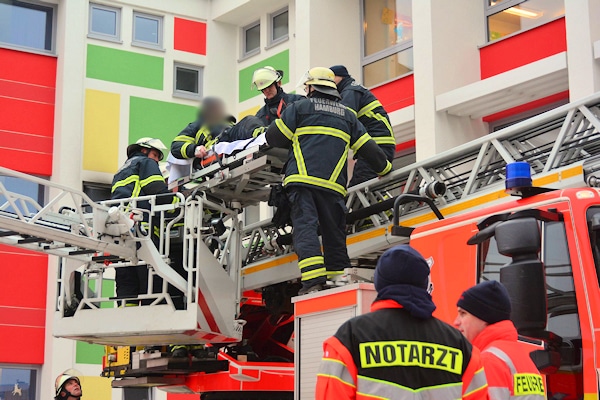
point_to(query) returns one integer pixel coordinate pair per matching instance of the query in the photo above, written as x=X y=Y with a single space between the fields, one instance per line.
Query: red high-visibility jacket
x=509 y=369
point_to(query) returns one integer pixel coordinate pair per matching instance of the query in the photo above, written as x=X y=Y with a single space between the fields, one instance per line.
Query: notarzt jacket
x=319 y=132
x=510 y=372
x=139 y=176
x=389 y=354
x=368 y=109
x=274 y=107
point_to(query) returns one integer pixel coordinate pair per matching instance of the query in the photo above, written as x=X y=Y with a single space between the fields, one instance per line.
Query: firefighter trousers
x=312 y=209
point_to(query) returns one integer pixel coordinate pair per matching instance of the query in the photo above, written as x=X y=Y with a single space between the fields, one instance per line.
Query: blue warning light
x=518 y=175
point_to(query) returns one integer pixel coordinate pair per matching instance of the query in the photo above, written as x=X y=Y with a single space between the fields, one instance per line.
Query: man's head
x=401 y=265
x=153 y=148
x=267 y=80
x=212 y=111
x=320 y=79
x=340 y=73
x=484 y=304
x=67 y=386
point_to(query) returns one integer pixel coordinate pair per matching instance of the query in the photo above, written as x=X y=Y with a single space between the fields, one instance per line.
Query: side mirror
x=524 y=277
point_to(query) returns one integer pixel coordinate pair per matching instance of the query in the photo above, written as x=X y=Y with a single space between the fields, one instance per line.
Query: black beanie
x=488 y=301
x=401 y=265
x=340 y=70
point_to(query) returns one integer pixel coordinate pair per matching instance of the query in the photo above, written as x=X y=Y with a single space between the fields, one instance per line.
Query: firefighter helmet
x=62 y=380
x=264 y=77
x=148 y=143
x=322 y=80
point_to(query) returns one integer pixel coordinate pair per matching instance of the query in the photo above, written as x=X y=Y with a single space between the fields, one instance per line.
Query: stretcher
x=240 y=172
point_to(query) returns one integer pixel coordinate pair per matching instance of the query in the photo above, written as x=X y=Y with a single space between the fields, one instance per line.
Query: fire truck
x=535 y=227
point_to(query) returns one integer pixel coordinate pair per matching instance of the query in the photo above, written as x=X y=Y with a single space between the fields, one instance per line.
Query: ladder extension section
x=555 y=143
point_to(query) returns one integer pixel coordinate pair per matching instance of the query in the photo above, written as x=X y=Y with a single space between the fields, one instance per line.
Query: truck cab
x=569 y=299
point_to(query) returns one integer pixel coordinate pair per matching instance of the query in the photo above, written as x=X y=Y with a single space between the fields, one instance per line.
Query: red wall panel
x=23 y=283
x=527 y=107
x=396 y=94
x=523 y=48
x=27 y=100
x=190 y=36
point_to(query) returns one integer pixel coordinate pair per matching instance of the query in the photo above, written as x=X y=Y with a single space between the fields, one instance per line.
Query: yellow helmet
x=62 y=379
x=264 y=77
x=320 y=76
x=148 y=143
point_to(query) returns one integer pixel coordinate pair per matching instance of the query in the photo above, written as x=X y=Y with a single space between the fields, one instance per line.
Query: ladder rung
x=31 y=240
x=85 y=251
x=8 y=233
x=107 y=258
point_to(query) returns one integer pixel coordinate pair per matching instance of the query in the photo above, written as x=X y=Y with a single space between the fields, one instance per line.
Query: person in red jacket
x=484 y=318
x=399 y=350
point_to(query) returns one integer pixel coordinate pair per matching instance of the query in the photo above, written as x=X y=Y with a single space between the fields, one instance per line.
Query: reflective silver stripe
x=478 y=382
x=381 y=389
x=499 y=393
x=331 y=368
x=503 y=356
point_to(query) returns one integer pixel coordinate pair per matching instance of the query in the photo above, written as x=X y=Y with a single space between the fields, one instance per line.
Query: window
x=137 y=393
x=188 y=81
x=18 y=383
x=147 y=30
x=279 y=26
x=251 y=39
x=505 y=17
x=26 y=25
x=387 y=40
x=105 y=22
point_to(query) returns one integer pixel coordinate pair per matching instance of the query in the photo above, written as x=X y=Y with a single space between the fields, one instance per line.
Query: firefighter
x=141 y=176
x=67 y=387
x=200 y=135
x=371 y=114
x=318 y=131
x=399 y=350
x=484 y=319
x=268 y=81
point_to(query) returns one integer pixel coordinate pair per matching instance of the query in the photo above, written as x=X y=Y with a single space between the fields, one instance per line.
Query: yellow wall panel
x=101 y=131
x=250 y=111
x=96 y=388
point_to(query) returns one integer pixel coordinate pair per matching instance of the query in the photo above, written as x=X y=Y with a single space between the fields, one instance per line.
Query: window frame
x=160 y=33
x=102 y=36
x=246 y=54
x=30 y=367
x=271 y=40
x=497 y=8
x=381 y=54
x=182 y=93
x=37 y=5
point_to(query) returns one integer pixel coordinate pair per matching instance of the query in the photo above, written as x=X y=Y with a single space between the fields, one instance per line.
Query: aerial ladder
x=237 y=293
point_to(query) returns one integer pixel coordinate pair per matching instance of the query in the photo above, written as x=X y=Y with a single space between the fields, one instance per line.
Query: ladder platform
x=166 y=365
x=141 y=326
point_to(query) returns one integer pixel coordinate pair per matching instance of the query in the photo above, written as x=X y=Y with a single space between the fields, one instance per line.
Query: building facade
x=81 y=79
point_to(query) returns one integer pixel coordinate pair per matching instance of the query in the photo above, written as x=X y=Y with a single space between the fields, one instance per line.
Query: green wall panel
x=158 y=119
x=278 y=61
x=87 y=353
x=124 y=67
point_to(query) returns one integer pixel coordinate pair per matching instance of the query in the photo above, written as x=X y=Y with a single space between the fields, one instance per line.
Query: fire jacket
x=274 y=107
x=510 y=371
x=368 y=109
x=319 y=131
x=389 y=354
x=139 y=176
x=194 y=135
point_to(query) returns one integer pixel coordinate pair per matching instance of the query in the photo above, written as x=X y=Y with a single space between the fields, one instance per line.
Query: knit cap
x=401 y=265
x=488 y=301
x=340 y=70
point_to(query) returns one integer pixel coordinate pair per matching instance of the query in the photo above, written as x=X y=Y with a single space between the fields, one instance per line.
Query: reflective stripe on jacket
x=368 y=109
x=508 y=366
x=388 y=354
x=139 y=176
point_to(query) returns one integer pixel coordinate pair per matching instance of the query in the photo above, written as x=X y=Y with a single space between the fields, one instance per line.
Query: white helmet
x=148 y=143
x=264 y=77
x=61 y=380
